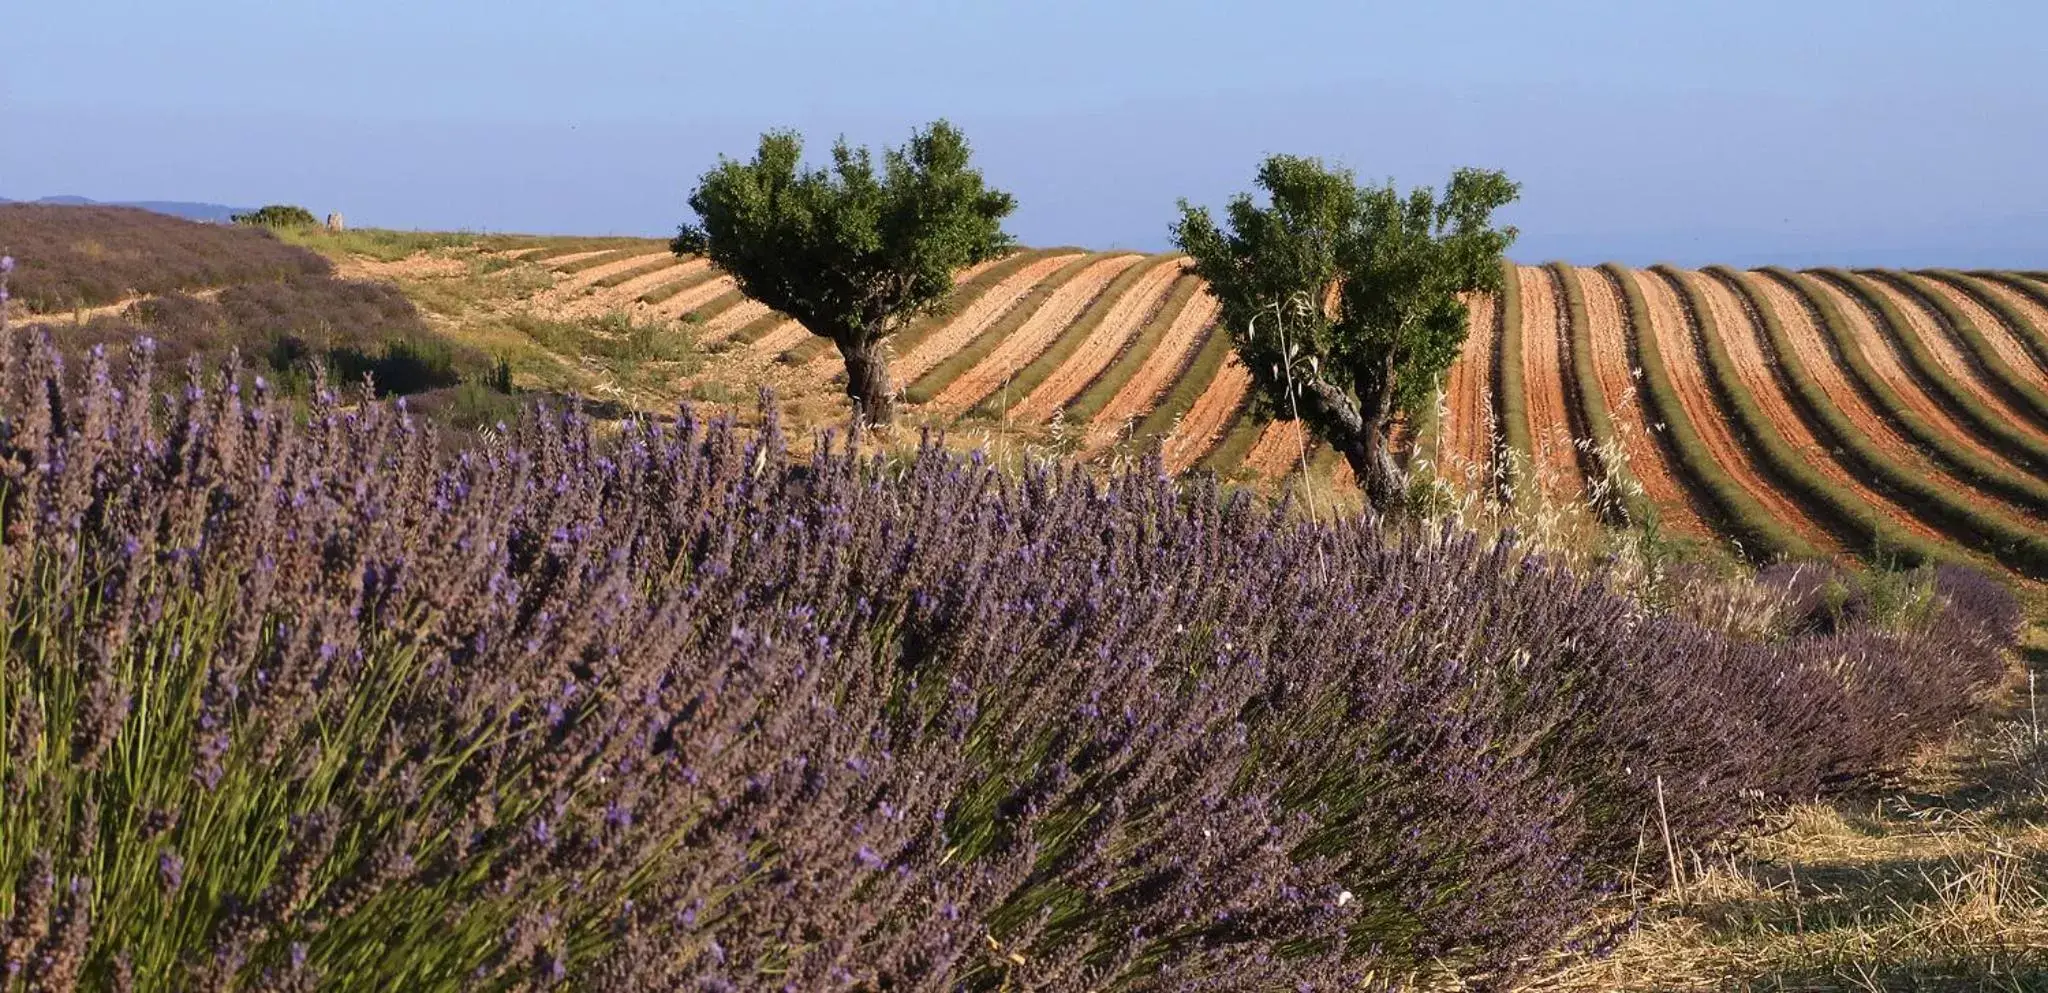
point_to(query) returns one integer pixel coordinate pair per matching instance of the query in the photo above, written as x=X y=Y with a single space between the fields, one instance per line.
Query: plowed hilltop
x=1855 y=414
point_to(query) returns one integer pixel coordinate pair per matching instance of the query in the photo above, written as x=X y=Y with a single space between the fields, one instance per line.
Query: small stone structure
x=334 y=222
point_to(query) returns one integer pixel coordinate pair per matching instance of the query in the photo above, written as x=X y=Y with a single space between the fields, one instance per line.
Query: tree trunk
x=867 y=382
x=1361 y=435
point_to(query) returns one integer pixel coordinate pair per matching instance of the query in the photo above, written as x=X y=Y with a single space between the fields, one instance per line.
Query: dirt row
x=1757 y=367
x=1034 y=336
x=1126 y=316
x=1621 y=385
x=1677 y=340
x=1208 y=418
x=975 y=318
x=1464 y=449
x=1546 y=337
x=2002 y=339
x=1949 y=355
x=1279 y=449
x=2033 y=313
x=1142 y=390
x=1825 y=367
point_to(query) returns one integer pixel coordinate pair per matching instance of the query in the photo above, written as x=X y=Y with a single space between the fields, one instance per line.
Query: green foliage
x=853 y=254
x=1395 y=264
x=1759 y=534
x=277 y=215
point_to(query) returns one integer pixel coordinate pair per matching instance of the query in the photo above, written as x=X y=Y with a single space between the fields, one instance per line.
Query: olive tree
x=1343 y=300
x=851 y=254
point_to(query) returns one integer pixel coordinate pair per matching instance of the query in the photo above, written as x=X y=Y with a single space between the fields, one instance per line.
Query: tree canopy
x=850 y=252
x=1343 y=300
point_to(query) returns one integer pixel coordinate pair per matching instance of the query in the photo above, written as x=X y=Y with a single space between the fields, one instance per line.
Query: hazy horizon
x=1853 y=134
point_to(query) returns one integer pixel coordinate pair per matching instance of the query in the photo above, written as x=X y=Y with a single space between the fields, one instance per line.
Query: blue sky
x=1809 y=132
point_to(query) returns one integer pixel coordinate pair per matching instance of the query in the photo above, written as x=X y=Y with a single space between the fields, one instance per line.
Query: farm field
x=1874 y=416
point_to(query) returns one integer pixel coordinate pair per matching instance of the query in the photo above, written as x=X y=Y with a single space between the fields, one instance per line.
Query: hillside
x=1874 y=415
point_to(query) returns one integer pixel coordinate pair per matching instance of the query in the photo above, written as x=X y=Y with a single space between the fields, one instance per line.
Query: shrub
x=312 y=707
x=277 y=215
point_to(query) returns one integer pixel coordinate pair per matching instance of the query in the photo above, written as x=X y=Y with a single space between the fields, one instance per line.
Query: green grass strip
x=1628 y=494
x=758 y=328
x=618 y=278
x=1511 y=391
x=585 y=265
x=669 y=290
x=1105 y=387
x=1985 y=474
x=1071 y=339
x=2017 y=389
x=964 y=295
x=952 y=367
x=2035 y=338
x=806 y=350
x=2010 y=541
x=1989 y=424
x=1756 y=530
x=713 y=307
x=1245 y=427
x=1188 y=386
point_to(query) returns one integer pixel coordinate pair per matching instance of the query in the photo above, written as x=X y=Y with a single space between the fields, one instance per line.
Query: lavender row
x=303 y=703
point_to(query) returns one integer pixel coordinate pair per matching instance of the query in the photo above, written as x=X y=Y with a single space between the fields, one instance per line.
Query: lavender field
x=300 y=700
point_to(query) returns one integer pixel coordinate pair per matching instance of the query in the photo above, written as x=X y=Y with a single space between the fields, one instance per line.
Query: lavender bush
x=312 y=706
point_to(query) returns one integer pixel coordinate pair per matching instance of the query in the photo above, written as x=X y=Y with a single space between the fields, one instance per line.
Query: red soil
x=1623 y=388
x=1889 y=363
x=1279 y=449
x=1949 y=355
x=1544 y=338
x=1144 y=387
x=1756 y=366
x=2002 y=339
x=1032 y=337
x=1676 y=340
x=1125 y=317
x=1465 y=437
x=973 y=319
x=1811 y=343
x=1208 y=418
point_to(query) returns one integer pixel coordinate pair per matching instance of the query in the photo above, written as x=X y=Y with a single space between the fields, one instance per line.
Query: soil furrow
x=1950 y=356
x=1544 y=338
x=1621 y=383
x=737 y=316
x=1032 y=337
x=1755 y=364
x=2001 y=336
x=1123 y=321
x=1678 y=340
x=696 y=296
x=1279 y=449
x=1142 y=390
x=1886 y=361
x=1205 y=422
x=1466 y=438
x=2031 y=310
x=974 y=319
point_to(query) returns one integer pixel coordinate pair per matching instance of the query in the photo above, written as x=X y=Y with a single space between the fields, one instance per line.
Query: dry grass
x=1937 y=882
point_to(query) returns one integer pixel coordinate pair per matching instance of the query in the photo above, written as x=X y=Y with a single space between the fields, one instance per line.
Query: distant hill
x=212 y=212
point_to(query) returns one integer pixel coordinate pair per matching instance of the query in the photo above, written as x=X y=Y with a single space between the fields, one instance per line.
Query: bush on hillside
x=277 y=215
x=313 y=707
x=86 y=256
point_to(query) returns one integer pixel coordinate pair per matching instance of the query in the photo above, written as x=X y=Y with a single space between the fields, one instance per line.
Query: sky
x=1821 y=132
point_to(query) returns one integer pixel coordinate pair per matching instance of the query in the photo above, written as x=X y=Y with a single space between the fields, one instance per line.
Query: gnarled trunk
x=867 y=381
x=1361 y=434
